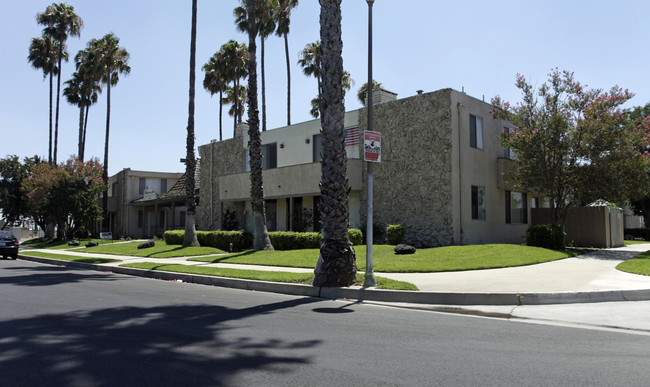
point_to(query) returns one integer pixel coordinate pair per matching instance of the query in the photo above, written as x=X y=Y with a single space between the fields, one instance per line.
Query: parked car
x=9 y=245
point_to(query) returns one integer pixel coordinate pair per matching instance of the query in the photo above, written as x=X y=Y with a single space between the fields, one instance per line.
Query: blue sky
x=418 y=44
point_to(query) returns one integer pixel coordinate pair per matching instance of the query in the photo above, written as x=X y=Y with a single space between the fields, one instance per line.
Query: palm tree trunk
x=58 y=92
x=263 y=87
x=220 y=115
x=49 y=155
x=337 y=262
x=80 y=156
x=234 y=124
x=190 y=238
x=261 y=239
x=105 y=174
x=286 y=54
x=83 y=145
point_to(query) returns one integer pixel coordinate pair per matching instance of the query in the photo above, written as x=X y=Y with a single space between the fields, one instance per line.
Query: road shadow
x=48 y=276
x=167 y=345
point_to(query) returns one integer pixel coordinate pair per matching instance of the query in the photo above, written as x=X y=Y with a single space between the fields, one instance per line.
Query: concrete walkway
x=587 y=278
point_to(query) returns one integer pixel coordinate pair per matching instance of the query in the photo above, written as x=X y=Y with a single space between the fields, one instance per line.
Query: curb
x=364 y=294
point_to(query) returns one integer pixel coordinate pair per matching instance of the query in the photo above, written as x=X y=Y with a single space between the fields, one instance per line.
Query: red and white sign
x=372 y=146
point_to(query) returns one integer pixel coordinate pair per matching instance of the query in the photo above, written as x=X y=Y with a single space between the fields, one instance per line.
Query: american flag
x=352 y=136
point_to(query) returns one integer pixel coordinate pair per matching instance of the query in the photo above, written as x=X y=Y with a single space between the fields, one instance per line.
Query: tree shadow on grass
x=166 y=345
x=234 y=255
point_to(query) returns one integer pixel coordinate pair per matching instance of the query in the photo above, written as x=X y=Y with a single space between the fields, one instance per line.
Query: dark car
x=8 y=245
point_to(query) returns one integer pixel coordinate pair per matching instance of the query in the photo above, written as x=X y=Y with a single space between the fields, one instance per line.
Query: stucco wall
x=412 y=183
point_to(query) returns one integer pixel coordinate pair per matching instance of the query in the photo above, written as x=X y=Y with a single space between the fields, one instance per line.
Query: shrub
x=290 y=240
x=355 y=236
x=394 y=234
x=220 y=239
x=174 y=237
x=549 y=236
x=642 y=233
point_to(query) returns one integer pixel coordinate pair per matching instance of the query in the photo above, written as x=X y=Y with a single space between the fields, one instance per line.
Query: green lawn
x=449 y=258
x=64 y=257
x=160 y=250
x=272 y=276
x=634 y=242
x=637 y=265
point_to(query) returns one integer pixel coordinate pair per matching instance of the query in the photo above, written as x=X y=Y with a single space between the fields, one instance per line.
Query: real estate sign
x=372 y=146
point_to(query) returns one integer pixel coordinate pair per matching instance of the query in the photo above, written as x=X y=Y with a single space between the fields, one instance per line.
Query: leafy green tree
x=363 y=91
x=43 y=54
x=575 y=145
x=265 y=25
x=190 y=238
x=13 y=201
x=111 y=60
x=261 y=240
x=65 y=195
x=215 y=81
x=637 y=115
x=337 y=262
x=60 y=21
x=282 y=17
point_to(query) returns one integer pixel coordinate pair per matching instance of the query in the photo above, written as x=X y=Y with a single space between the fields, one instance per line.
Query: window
x=516 y=207
x=475 y=131
x=142 y=186
x=114 y=189
x=163 y=185
x=534 y=203
x=317 y=148
x=269 y=157
x=508 y=153
x=478 y=202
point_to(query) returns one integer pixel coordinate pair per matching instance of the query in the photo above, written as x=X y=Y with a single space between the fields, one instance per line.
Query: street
x=63 y=327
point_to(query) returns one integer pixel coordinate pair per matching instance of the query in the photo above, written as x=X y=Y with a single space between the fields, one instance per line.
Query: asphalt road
x=84 y=328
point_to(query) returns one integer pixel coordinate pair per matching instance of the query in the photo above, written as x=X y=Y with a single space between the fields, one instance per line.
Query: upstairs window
x=142 y=184
x=508 y=153
x=269 y=157
x=317 y=148
x=475 y=131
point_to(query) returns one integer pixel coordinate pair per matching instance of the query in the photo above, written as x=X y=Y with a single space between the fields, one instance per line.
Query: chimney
x=241 y=129
x=420 y=92
x=381 y=96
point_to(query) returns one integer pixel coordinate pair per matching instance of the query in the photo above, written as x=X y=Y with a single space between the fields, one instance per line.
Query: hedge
x=220 y=239
x=549 y=236
x=290 y=240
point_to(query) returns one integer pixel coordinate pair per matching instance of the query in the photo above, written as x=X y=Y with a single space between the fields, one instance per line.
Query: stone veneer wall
x=227 y=159
x=412 y=184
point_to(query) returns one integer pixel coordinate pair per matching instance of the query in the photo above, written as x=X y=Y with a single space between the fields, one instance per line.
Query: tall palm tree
x=238 y=106
x=215 y=81
x=265 y=25
x=310 y=61
x=111 y=60
x=282 y=17
x=236 y=58
x=337 y=262
x=261 y=239
x=190 y=238
x=91 y=77
x=43 y=54
x=363 y=91
x=60 y=21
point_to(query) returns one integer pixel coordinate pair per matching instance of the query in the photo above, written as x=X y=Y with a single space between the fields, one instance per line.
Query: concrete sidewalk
x=587 y=278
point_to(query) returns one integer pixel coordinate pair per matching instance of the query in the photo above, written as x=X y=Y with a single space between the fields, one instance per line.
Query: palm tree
x=110 y=61
x=215 y=81
x=236 y=58
x=310 y=61
x=261 y=239
x=59 y=20
x=91 y=77
x=265 y=25
x=363 y=91
x=238 y=107
x=43 y=53
x=190 y=238
x=346 y=82
x=282 y=17
x=337 y=262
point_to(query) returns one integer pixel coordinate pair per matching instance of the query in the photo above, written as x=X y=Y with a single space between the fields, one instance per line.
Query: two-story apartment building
x=143 y=203
x=441 y=173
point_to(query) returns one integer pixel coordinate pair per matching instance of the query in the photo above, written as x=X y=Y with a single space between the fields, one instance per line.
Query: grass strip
x=439 y=259
x=160 y=250
x=271 y=276
x=61 y=244
x=627 y=243
x=640 y=264
x=65 y=257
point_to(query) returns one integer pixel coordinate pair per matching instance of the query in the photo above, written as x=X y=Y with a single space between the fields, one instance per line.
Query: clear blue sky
x=418 y=44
